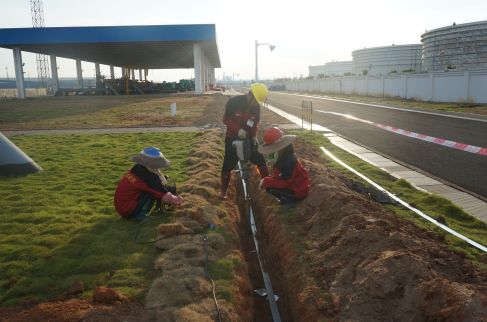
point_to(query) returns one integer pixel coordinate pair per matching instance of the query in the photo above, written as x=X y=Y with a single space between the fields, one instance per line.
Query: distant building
x=383 y=60
x=333 y=68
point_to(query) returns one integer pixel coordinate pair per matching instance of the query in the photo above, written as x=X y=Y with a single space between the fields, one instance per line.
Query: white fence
x=439 y=86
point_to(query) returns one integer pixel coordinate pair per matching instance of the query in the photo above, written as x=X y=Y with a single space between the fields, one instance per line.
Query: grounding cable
x=206 y=258
x=267 y=281
x=451 y=231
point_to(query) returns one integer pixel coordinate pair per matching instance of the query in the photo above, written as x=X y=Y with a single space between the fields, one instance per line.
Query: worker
x=290 y=181
x=143 y=186
x=242 y=115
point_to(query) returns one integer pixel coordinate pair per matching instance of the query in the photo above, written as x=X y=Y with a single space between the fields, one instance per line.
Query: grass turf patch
x=91 y=112
x=471 y=108
x=432 y=205
x=67 y=211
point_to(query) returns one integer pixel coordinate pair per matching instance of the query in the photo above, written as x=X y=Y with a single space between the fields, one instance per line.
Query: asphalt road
x=461 y=168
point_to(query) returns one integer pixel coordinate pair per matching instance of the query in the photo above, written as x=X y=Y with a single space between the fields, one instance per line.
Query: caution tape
x=451 y=144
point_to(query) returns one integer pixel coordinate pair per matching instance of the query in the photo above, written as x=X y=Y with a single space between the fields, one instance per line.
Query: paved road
x=464 y=169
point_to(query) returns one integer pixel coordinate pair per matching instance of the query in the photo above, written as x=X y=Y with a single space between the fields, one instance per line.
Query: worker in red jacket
x=290 y=181
x=143 y=185
x=242 y=115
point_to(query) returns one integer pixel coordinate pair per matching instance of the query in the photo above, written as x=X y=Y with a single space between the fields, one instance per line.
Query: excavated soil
x=342 y=256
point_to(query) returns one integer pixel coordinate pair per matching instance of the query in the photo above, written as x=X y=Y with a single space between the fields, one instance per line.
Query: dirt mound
x=76 y=310
x=366 y=262
x=184 y=289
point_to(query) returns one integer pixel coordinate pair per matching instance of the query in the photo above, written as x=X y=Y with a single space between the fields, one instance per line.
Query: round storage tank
x=334 y=68
x=383 y=60
x=462 y=45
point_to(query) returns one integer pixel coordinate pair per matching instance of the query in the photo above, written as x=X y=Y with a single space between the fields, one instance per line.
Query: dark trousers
x=231 y=157
x=145 y=201
x=279 y=192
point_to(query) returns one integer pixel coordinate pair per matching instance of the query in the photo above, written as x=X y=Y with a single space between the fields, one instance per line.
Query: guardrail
x=307 y=114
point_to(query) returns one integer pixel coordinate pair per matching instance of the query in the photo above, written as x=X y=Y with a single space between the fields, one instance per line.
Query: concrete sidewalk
x=469 y=203
x=104 y=130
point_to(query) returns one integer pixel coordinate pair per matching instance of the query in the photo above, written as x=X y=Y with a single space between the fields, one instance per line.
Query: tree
x=310 y=77
x=408 y=70
x=393 y=71
x=327 y=76
x=365 y=72
x=348 y=74
x=320 y=76
x=450 y=67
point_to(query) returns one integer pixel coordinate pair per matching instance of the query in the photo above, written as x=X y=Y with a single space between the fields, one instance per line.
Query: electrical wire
x=206 y=259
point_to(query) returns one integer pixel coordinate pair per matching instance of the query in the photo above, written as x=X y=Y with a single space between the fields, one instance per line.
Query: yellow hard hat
x=260 y=92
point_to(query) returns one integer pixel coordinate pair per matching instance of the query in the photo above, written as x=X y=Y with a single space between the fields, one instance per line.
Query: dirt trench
x=275 y=258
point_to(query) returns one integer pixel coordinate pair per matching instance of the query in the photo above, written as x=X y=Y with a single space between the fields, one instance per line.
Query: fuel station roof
x=153 y=47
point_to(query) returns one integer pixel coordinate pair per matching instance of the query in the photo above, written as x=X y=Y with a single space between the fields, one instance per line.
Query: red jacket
x=237 y=115
x=289 y=173
x=137 y=180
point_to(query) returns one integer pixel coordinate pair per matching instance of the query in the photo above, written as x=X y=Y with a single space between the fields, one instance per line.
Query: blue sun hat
x=151 y=158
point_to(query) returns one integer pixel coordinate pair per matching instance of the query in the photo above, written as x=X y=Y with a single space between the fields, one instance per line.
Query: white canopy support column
x=97 y=70
x=19 y=72
x=140 y=74
x=133 y=74
x=79 y=73
x=197 y=68
x=123 y=72
x=55 y=80
x=203 y=72
x=112 y=72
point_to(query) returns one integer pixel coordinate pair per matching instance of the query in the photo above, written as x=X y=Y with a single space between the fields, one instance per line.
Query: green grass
x=432 y=205
x=89 y=112
x=471 y=108
x=67 y=211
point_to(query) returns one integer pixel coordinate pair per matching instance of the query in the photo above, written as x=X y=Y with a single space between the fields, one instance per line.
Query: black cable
x=206 y=259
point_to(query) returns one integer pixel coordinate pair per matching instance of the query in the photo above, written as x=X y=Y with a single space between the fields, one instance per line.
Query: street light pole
x=256 y=59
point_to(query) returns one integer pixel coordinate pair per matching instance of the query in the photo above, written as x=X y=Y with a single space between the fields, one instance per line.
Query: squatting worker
x=290 y=181
x=242 y=114
x=143 y=185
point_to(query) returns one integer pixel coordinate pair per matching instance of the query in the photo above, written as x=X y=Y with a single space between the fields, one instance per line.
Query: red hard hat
x=272 y=134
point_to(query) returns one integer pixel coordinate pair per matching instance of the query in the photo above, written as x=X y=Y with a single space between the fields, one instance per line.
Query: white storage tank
x=333 y=68
x=315 y=70
x=460 y=45
x=383 y=60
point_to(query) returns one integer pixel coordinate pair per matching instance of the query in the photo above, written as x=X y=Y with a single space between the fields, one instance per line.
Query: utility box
x=173 y=109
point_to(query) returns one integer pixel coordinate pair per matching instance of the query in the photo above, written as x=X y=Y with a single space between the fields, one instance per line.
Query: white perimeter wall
x=440 y=86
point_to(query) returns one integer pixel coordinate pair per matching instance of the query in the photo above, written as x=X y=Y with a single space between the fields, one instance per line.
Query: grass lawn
x=430 y=204
x=67 y=211
x=472 y=108
x=104 y=111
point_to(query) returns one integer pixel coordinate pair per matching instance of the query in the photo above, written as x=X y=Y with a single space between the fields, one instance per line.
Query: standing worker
x=242 y=114
x=290 y=181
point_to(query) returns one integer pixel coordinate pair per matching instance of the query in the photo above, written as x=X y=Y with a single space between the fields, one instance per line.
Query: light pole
x=256 y=59
x=234 y=77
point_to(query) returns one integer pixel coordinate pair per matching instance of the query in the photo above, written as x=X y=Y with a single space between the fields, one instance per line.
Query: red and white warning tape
x=451 y=144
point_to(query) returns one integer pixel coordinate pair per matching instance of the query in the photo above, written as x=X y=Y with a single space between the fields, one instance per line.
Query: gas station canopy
x=152 y=47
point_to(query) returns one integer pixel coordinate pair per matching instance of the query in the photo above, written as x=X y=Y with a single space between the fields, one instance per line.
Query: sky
x=304 y=32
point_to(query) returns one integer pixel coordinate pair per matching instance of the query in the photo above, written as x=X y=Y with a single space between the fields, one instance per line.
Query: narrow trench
x=270 y=260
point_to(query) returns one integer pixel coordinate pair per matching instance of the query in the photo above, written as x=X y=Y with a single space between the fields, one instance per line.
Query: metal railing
x=307 y=114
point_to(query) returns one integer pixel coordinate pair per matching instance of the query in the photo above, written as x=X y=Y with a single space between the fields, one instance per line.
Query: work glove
x=261 y=184
x=255 y=143
x=171 y=199
x=242 y=134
